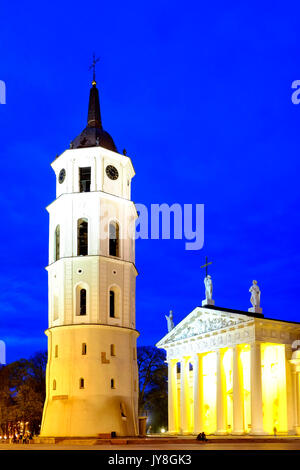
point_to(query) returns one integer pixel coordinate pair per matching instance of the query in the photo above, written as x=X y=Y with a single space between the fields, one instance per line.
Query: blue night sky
x=200 y=96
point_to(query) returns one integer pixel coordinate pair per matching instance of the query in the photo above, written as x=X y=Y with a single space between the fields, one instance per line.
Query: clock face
x=61 y=176
x=112 y=172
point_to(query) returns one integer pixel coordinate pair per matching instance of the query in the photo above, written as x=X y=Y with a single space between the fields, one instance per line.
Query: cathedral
x=92 y=376
x=229 y=371
x=232 y=371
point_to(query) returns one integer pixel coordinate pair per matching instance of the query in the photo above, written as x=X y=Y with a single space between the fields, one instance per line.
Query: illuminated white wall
x=108 y=402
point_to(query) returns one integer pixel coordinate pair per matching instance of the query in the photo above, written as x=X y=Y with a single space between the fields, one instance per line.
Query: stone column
x=295 y=395
x=238 y=392
x=256 y=390
x=290 y=398
x=297 y=376
x=184 y=395
x=172 y=396
x=221 y=395
x=198 y=394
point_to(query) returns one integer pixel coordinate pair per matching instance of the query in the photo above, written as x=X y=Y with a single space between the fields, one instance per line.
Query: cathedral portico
x=242 y=379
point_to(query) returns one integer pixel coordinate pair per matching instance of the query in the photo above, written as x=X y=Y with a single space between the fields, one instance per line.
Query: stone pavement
x=165 y=442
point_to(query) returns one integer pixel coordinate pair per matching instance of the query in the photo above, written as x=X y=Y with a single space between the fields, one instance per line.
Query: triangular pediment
x=202 y=321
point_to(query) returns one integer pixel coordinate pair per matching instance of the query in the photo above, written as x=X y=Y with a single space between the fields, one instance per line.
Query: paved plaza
x=184 y=444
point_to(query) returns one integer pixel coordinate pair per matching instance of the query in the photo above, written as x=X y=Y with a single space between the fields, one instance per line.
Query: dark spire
x=94 y=135
x=94 y=115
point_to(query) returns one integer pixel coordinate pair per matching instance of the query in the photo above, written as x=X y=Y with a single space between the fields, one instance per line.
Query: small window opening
x=112 y=304
x=85 y=179
x=82 y=237
x=114 y=242
x=82 y=302
x=57 y=243
x=123 y=410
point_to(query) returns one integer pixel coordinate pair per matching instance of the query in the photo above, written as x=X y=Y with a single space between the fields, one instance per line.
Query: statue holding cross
x=208 y=285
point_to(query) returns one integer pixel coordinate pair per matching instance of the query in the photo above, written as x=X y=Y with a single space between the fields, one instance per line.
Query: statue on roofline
x=208 y=287
x=170 y=321
x=255 y=295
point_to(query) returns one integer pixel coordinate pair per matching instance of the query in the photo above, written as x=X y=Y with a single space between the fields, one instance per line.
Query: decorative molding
x=206 y=330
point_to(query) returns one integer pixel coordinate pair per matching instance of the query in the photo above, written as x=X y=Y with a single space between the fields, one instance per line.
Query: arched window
x=57 y=243
x=112 y=304
x=114 y=239
x=82 y=300
x=82 y=237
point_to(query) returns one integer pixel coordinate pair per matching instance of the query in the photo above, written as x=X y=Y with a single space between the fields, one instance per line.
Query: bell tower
x=92 y=376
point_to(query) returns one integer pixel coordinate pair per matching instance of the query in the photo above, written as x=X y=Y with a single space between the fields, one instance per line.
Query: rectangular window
x=112 y=304
x=82 y=237
x=55 y=307
x=56 y=351
x=81 y=383
x=112 y=350
x=82 y=302
x=85 y=179
x=112 y=383
x=83 y=351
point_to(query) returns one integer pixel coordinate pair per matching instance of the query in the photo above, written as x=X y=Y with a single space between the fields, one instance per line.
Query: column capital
x=220 y=351
x=288 y=351
x=256 y=389
x=185 y=359
x=171 y=361
x=256 y=344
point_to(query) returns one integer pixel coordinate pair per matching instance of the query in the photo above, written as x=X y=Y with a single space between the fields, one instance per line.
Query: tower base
x=94 y=394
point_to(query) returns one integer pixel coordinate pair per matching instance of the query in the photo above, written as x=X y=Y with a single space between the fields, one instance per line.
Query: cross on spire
x=93 y=66
x=206 y=265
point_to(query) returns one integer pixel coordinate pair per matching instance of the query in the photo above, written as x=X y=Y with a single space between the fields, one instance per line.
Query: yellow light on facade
x=209 y=389
x=274 y=388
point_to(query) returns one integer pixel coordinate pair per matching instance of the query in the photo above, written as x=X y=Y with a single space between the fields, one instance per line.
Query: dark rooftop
x=94 y=135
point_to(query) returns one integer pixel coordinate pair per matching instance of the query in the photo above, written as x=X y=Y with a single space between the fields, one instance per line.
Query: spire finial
x=93 y=66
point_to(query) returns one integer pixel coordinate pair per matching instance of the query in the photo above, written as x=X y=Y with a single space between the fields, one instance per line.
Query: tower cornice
x=110 y=196
x=89 y=325
x=111 y=259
